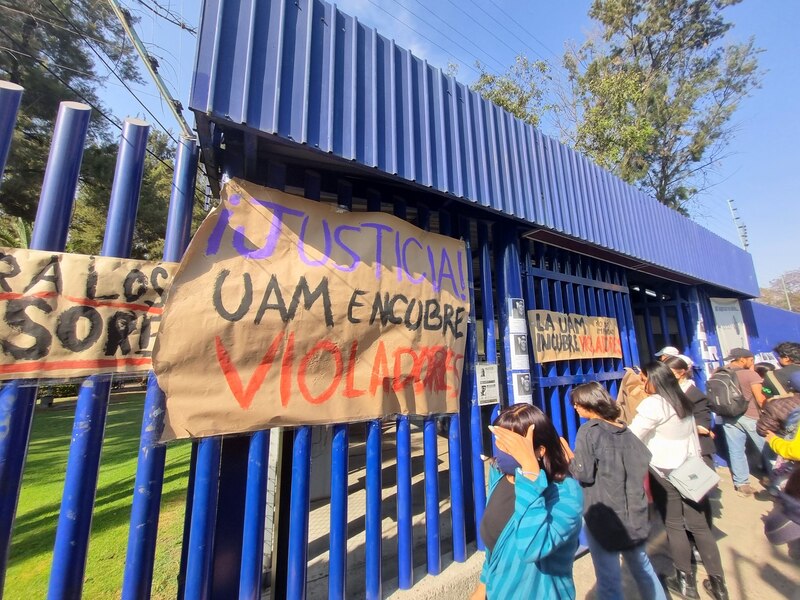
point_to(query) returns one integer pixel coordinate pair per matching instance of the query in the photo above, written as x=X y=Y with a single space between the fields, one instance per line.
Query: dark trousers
x=682 y=516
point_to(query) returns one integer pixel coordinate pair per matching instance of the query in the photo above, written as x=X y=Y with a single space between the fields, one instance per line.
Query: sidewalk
x=754 y=568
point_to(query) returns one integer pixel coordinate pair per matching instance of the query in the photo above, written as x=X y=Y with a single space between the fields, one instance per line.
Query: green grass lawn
x=42 y=486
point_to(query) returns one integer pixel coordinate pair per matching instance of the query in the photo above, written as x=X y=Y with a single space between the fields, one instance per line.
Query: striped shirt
x=534 y=554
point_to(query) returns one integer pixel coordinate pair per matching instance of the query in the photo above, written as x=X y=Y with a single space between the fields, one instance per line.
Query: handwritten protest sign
x=71 y=315
x=561 y=336
x=286 y=311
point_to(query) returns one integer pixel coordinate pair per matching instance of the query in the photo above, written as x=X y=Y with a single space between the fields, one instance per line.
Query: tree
x=48 y=50
x=520 y=90
x=88 y=223
x=657 y=90
x=783 y=292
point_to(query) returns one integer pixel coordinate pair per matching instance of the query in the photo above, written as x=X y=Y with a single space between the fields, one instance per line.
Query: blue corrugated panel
x=305 y=71
x=768 y=326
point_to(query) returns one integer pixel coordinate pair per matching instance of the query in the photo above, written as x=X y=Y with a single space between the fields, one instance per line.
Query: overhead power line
x=537 y=40
x=152 y=67
x=168 y=15
x=113 y=71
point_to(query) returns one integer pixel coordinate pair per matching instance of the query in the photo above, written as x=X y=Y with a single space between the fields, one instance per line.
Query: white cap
x=669 y=351
x=689 y=362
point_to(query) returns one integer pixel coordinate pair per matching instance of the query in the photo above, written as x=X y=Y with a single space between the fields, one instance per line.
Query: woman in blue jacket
x=533 y=517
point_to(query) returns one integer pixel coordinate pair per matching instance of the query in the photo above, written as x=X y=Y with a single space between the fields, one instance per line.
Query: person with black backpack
x=735 y=395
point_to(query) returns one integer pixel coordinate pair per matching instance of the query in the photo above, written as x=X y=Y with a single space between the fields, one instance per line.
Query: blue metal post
x=490 y=345
x=374 y=585
x=150 y=467
x=10 y=97
x=405 y=543
x=337 y=562
x=509 y=285
x=337 y=568
x=204 y=515
x=298 y=520
x=430 y=448
x=16 y=402
x=83 y=462
x=254 y=514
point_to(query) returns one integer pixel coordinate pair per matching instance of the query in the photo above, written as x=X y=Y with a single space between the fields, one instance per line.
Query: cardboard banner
x=561 y=336
x=287 y=311
x=71 y=315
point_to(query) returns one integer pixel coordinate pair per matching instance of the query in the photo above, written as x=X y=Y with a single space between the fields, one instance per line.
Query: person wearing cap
x=739 y=429
x=667 y=351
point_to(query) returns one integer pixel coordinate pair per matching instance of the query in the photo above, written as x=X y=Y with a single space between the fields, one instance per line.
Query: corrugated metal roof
x=305 y=71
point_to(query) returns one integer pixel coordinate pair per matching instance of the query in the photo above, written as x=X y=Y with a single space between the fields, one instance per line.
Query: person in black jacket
x=611 y=463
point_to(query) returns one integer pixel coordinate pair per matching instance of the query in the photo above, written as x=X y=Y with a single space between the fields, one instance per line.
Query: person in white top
x=664 y=422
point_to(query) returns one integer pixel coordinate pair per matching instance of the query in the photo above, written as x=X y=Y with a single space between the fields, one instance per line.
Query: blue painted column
x=10 y=97
x=49 y=233
x=509 y=285
x=146 y=505
x=83 y=462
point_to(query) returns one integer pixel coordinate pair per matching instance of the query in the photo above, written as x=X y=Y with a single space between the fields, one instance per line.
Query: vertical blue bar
x=489 y=331
x=298 y=519
x=254 y=513
x=10 y=97
x=373 y=513
x=405 y=539
x=430 y=448
x=83 y=463
x=457 y=486
x=372 y=523
x=150 y=466
x=204 y=516
x=337 y=568
x=405 y=561
x=337 y=564
x=49 y=233
x=509 y=285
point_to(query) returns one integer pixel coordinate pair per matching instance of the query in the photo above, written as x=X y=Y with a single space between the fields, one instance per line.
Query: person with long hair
x=611 y=463
x=533 y=516
x=664 y=422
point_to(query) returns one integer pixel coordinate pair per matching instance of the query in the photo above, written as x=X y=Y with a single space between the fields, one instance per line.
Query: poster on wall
x=731 y=330
x=286 y=311
x=523 y=390
x=562 y=336
x=516 y=316
x=519 y=352
x=72 y=315
x=488 y=385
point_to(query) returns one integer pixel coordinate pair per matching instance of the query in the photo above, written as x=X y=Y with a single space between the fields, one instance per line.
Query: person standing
x=533 y=515
x=779 y=380
x=611 y=463
x=664 y=422
x=739 y=429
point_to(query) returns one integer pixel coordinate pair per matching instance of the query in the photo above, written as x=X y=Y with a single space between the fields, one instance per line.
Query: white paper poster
x=488 y=387
x=731 y=330
x=516 y=316
x=519 y=352
x=523 y=392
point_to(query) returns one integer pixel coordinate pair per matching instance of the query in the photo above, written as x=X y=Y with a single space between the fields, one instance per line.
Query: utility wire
x=114 y=72
x=399 y=20
x=168 y=15
x=78 y=71
x=537 y=40
x=41 y=19
x=443 y=35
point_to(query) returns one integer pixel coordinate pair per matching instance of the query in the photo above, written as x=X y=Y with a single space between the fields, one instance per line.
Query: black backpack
x=725 y=397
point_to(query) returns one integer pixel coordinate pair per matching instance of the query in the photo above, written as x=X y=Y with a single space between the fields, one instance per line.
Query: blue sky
x=761 y=173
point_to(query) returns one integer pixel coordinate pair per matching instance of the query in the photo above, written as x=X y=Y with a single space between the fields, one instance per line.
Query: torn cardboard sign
x=71 y=315
x=286 y=311
x=562 y=336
